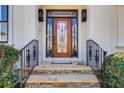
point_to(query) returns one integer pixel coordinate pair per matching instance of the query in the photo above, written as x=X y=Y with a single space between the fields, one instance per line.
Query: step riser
x=63 y=85
x=61 y=72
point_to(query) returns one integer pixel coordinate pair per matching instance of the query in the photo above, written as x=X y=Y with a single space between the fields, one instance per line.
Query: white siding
x=18 y=26
x=102 y=26
x=121 y=26
x=106 y=27
x=24 y=25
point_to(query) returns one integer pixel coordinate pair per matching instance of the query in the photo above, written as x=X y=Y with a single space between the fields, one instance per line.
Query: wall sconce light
x=84 y=15
x=40 y=15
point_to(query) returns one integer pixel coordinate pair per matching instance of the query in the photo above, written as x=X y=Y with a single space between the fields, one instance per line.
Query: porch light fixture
x=40 y=15
x=84 y=15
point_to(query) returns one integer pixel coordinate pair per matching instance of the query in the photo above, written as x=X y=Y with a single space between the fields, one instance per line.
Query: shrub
x=8 y=56
x=114 y=70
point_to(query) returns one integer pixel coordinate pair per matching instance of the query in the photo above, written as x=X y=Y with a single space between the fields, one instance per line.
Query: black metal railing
x=96 y=58
x=29 y=59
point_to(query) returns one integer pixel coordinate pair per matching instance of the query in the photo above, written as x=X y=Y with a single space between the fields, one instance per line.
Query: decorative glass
x=62 y=14
x=74 y=37
x=62 y=36
x=49 y=37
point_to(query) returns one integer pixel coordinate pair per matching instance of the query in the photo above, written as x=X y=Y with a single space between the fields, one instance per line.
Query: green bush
x=8 y=56
x=114 y=70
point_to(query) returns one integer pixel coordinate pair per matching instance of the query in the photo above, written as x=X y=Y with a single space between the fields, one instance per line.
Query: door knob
x=54 y=40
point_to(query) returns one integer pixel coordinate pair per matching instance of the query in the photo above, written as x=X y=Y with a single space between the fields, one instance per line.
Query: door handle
x=54 y=40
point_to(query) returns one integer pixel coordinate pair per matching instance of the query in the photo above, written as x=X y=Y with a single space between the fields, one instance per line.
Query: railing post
x=87 y=52
x=96 y=58
x=21 y=81
x=34 y=53
x=37 y=53
x=104 y=65
x=28 y=58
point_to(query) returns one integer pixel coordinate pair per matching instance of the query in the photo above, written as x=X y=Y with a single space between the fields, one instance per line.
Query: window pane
x=3 y=31
x=3 y=12
x=74 y=37
x=49 y=37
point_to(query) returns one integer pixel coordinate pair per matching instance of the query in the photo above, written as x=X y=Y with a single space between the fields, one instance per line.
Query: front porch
x=62 y=72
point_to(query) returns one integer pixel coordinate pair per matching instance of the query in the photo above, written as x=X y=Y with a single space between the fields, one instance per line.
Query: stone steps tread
x=62 y=67
x=63 y=78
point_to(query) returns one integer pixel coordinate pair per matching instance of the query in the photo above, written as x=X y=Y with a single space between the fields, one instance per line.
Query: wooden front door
x=62 y=37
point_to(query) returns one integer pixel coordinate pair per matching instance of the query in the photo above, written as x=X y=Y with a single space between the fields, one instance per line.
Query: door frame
x=67 y=10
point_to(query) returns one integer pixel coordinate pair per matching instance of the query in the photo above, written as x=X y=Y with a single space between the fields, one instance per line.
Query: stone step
x=61 y=68
x=63 y=80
